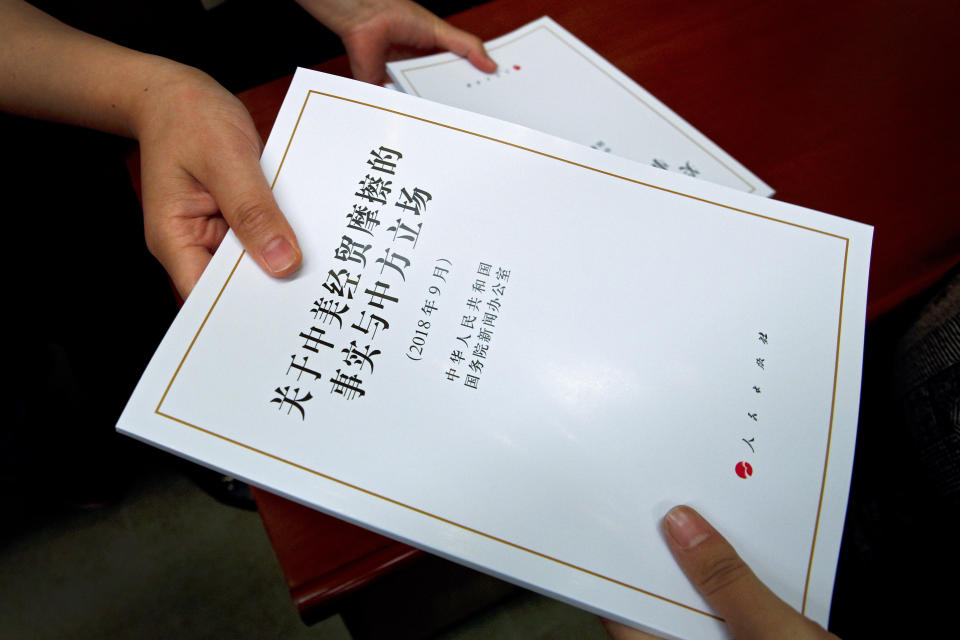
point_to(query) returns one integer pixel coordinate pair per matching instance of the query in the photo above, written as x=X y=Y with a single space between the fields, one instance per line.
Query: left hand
x=371 y=28
x=200 y=167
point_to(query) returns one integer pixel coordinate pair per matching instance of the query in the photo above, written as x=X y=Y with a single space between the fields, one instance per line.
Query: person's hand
x=751 y=610
x=199 y=150
x=370 y=29
x=200 y=173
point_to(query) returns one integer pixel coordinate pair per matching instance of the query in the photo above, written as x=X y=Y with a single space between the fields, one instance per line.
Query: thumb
x=241 y=191
x=750 y=609
x=465 y=45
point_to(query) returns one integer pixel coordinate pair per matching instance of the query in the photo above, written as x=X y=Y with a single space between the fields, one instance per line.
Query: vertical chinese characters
x=744 y=468
x=441 y=269
x=482 y=311
x=686 y=168
x=345 y=316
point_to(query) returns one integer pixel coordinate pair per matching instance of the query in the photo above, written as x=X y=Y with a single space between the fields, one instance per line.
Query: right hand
x=370 y=29
x=752 y=611
x=200 y=172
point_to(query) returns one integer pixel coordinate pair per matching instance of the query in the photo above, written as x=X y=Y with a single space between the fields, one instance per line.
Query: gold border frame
x=436 y=517
x=604 y=72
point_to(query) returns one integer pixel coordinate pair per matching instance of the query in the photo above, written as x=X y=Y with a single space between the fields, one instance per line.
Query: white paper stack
x=518 y=353
x=549 y=80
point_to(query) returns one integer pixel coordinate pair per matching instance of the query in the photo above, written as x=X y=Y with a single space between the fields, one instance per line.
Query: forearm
x=339 y=15
x=51 y=71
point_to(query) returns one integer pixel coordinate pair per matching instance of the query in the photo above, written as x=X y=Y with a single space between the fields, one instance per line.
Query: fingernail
x=686 y=527
x=279 y=255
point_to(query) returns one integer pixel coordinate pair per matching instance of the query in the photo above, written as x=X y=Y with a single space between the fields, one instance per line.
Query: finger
x=466 y=45
x=725 y=581
x=181 y=223
x=238 y=185
x=184 y=245
x=187 y=268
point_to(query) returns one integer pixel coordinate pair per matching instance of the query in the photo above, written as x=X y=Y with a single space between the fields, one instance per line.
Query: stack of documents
x=550 y=81
x=518 y=352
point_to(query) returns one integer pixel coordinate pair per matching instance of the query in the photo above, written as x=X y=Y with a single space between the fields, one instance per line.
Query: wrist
x=342 y=16
x=159 y=84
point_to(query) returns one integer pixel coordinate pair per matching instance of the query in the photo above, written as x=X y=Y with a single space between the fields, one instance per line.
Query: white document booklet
x=518 y=353
x=549 y=80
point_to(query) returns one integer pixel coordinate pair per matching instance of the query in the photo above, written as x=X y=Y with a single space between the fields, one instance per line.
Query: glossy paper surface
x=527 y=355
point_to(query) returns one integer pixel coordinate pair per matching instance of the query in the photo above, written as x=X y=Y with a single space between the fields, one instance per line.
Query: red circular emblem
x=743 y=469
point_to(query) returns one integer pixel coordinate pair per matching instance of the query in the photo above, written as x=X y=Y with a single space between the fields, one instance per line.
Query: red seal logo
x=743 y=469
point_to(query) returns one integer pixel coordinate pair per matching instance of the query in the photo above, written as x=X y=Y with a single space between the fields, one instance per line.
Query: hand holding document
x=518 y=353
x=550 y=81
